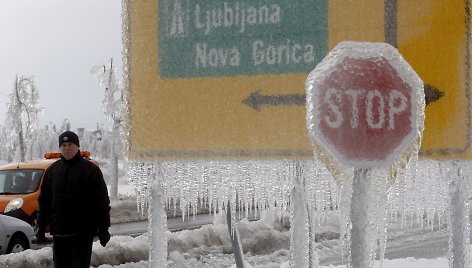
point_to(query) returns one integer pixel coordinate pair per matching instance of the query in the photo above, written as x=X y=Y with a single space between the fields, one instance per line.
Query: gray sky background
x=59 y=42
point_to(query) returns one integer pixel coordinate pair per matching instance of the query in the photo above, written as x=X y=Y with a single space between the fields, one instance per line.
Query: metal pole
x=459 y=220
x=298 y=244
x=233 y=234
x=359 y=214
x=302 y=243
x=158 y=223
x=114 y=159
x=390 y=22
x=311 y=240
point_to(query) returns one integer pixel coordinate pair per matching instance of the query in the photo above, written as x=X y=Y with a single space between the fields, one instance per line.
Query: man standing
x=74 y=202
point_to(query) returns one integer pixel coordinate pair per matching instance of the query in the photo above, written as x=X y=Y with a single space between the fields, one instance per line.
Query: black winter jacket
x=74 y=198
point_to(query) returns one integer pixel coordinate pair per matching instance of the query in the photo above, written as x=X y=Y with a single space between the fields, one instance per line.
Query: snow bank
x=258 y=237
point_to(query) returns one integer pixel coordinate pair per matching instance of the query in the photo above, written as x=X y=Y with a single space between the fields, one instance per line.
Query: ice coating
x=22 y=117
x=458 y=220
x=125 y=55
x=249 y=186
x=418 y=195
x=158 y=226
x=363 y=96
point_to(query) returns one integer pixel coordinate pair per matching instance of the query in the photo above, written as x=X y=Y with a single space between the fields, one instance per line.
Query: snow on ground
x=266 y=243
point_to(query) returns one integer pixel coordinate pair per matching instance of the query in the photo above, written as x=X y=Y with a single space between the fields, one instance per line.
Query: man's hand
x=104 y=237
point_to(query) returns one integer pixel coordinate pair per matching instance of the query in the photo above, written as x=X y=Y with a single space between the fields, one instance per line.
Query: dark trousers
x=72 y=251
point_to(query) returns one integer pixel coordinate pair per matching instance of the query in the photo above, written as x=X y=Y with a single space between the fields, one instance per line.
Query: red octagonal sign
x=365 y=104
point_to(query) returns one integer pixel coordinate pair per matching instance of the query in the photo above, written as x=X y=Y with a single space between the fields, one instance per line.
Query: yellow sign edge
x=447 y=152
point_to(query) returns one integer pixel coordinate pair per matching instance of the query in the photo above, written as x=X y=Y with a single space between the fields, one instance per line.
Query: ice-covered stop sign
x=364 y=103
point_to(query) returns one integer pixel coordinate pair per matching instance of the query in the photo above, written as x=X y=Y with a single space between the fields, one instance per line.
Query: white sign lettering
x=371 y=96
x=375 y=103
x=241 y=15
x=288 y=52
x=215 y=57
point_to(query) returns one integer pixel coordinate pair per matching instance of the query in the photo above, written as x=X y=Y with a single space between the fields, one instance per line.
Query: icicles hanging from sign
x=418 y=197
x=250 y=186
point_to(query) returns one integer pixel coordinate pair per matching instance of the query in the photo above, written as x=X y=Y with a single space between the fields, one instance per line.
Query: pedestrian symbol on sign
x=177 y=24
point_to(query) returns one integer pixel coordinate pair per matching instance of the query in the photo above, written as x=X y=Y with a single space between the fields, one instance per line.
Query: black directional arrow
x=432 y=94
x=255 y=100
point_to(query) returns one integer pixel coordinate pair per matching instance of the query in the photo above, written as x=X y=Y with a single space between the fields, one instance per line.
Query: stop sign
x=365 y=104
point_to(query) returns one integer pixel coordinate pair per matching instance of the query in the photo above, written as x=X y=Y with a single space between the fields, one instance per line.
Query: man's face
x=69 y=150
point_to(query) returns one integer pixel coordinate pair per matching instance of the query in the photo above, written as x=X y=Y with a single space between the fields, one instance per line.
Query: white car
x=15 y=235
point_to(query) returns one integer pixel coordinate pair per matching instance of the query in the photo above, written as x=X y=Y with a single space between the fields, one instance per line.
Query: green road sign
x=229 y=38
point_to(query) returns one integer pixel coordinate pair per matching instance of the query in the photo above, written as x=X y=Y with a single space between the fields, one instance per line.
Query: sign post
x=459 y=217
x=365 y=110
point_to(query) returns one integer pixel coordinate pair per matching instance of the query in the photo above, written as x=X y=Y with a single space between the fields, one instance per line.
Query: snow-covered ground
x=266 y=244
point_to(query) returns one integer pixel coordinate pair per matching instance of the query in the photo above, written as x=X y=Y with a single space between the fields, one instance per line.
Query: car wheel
x=17 y=244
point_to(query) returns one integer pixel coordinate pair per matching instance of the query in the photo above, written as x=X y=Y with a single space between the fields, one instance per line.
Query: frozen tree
x=112 y=106
x=4 y=152
x=46 y=140
x=105 y=144
x=98 y=141
x=65 y=125
x=23 y=115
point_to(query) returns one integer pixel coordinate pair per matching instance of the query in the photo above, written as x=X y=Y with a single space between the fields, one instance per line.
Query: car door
x=3 y=238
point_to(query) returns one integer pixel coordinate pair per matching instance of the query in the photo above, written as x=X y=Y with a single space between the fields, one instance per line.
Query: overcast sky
x=59 y=42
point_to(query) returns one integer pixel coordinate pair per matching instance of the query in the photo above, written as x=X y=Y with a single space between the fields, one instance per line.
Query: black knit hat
x=69 y=136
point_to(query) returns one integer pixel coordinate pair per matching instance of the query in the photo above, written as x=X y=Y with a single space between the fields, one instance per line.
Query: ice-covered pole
x=459 y=219
x=234 y=236
x=359 y=214
x=300 y=230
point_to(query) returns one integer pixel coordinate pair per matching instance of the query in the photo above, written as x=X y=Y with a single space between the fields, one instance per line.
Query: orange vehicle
x=20 y=185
